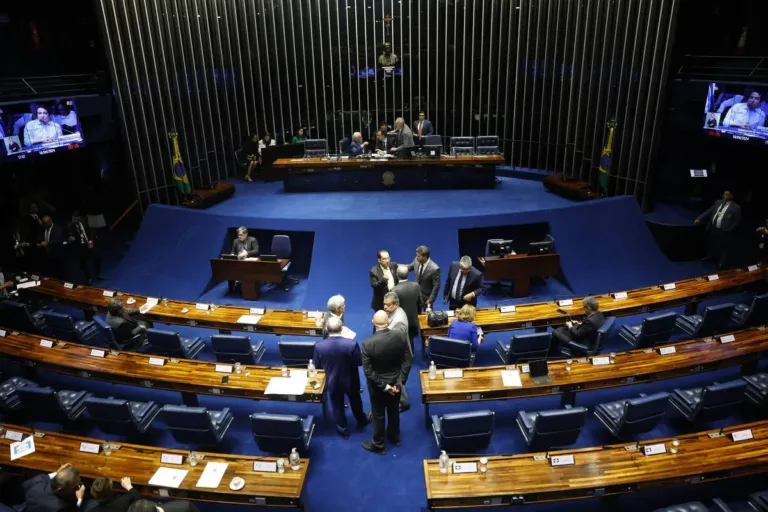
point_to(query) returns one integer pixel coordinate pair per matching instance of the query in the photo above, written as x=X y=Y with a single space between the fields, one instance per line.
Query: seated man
x=357 y=146
x=746 y=115
x=42 y=129
x=245 y=246
x=582 y=332
x=125 y=328
x=58 y=491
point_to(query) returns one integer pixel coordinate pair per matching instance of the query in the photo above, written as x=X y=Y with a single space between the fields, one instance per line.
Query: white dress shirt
x=718 y=218
x=37 y=130
x=387 y=273
x=742 y=115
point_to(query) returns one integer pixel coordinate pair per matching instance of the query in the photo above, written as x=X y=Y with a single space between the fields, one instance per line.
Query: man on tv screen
x=746 y=115
x=42 y=129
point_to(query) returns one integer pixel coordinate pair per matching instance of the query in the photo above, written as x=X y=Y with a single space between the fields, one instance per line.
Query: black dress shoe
x=369 y=446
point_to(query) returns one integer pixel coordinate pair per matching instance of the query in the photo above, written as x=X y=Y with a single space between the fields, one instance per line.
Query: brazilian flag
x=605 y=159
x=179 y=172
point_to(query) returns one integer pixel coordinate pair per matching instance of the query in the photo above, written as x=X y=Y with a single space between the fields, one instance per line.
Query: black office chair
x=714 y=320
x=524 y=347
x=709 y=402
x=628 y=417
x=655 y=330
x=748 y=315
x=757 y=389
x=549 y=429
x=344 y=145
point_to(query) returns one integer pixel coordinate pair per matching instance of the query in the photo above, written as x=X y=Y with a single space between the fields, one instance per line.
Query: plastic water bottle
x=444 y=462
x=311 y=371
x=432 y=372
x=294 y=460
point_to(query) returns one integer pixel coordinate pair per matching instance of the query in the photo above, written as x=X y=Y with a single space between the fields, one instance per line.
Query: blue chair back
x=717 y=399
x=466 y=432
x=42 y=404
x=528 y=347
x=105 y=332
x=642 y=414
x=656 y=329
x=604 y=332
x=716 y=319
x=449 y=352
x=558 y=427
x=112 y=415
x=758 y=311
x=166 y=342
x=192 y=425
x=60 y=326
x=281 y=246
x=230 y=348
x=17 y=315
x=296 y=353
x=278 y=433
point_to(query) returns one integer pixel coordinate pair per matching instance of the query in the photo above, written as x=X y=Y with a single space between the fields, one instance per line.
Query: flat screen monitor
x=736 y=111
x=433 y=151
x=499 y=247
x=543 y=247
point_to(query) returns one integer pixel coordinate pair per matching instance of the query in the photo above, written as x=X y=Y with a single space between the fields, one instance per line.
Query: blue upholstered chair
x=197 y=425
x=631 y=416
x=463 y=432
x=9 y=399
x=116 y=416
x=715 y=319
x=237 y=349
x=757 y=389
x=296 y=353
x=108 y=337
x=578 y=349
x=169 y=342
x=451 y=353
x=709 y=402
x=549 y=429
x=46 y=404
x=691 y=506
x=655 y=330
x=748 y=315
x=524 y=347
x=63 y=327
x=759 y=501
x=281 y=247
x=18 y=316
x=279 y=433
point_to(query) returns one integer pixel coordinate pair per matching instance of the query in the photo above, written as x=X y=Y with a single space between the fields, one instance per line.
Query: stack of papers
x=212 y=475
x=28 y=284
x=511 y=378
x=249 y=319
x=168 y=477
x=287 y=385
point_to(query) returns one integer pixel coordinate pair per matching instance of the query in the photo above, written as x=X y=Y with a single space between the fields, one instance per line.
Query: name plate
x=314 y=314
x=46 y=343
x=654 y=449
x=727 y=339
x=257 y=311
x=450 y=313
x=157 y=361
x=223 y=368
x=562 y=460
x=713 y=277
x=599 y=361
x=265 y=467
x=69 y=286
x=14 y=436
x=565 y=302
x=2 y=333
x=525 y=368
x=98 y=353
x=620 y=295
x=668 y=286
x=752 y=268
x=742 y=435
x=507 y=309
x=89 y=447
x=464 y=467
x=201 y=307
x=107 y=293
x=169 y=458
x=667 y=350
x=453 y=374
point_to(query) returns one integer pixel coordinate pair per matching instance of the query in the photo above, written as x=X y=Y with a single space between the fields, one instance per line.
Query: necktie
x=421 y=123
x=458 y=286
x=83 y=236
x=47 y=234
x=421 y=271
x=719 y=215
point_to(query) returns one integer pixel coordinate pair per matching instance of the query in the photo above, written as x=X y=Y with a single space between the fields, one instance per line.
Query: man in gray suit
x=128 y=332
x=720 y=220
x=427 y=275
x=245 y=246
x=404 y=139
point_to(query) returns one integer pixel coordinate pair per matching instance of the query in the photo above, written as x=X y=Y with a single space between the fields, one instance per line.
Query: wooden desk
x=141 y=462
x=251 y=273
x=520 y=268
x=90 y=299
x=606 y=471
x=688 y=292
x=631 y=367
x=190 y=377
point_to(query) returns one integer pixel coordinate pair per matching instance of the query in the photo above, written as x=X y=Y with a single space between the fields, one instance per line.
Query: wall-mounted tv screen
x=737 y=111
x=39 y=128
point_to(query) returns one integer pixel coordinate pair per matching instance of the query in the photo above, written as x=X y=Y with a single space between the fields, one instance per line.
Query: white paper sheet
x=28 y=284
x=286 y=386
x=22 y=448
x=511 y=378
x=212 y=475
x=348 y=333
x=249 y=319
x=168 y=477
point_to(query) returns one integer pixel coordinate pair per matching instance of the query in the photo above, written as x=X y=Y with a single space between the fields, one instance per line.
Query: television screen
x=39 y=128
x=736 y=111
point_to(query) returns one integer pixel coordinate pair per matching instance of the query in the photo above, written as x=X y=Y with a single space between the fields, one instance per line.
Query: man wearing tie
x=463 y=285
x=427 y=275
x=423 y=128
x=50 y=241
x=720 y=220
x=244 y=247
x=340 y=357
x=383 y=278
x=409 y=294
x=83 y=241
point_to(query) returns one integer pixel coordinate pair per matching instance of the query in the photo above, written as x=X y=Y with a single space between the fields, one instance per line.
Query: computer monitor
x=462 y=151
x=539 y=371
x=543 y=247
x=499 y=247
x=268 y=257
x=433 y=151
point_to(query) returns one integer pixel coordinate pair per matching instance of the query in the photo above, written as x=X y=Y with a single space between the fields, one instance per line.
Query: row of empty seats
x=757 y=501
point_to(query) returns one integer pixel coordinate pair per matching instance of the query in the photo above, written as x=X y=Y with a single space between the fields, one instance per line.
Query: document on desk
x=212 y=475
x=286 y=386
x=168 y=477
x=249 y=319
x=348 y=333
x=151 y=302
x=28 y=284
x=511 y=379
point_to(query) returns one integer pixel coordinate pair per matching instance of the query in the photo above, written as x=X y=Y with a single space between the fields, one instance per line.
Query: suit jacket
x=123 y=326
x=249 y=244
x=356 y=148
x=730 y=219
x=119 y=503
x=429 y=280
x=586 y=331
x=472 y=284
x=40 y=497
x=29 y=228
x=404 y=138
x=55 y=240
x=427 y=129
x=74 y=232
x=379 y=284
x=409 y=294
x=387 y=359
x=340 y=358
x=325 y=323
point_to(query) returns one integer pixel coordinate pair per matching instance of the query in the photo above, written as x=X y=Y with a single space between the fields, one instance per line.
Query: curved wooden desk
x=188 y=376
x=600 y=471
x=631 y=367
x=544 y=314
x=273 y=321
x=141 y=462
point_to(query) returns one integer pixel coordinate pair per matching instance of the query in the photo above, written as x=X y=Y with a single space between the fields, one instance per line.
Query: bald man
x=387 y=360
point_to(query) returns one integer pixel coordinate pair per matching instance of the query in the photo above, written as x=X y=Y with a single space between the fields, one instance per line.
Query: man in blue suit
x=464 y=284
x=422 y=128
x=340 y=357
x=357 y=146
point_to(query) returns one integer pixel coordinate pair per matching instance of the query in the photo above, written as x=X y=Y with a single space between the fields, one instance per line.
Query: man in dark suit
x=422 y=128
x=145 y=505
x=383 y=278
x=427 y=275
x=54 y=492
x=126 y=330
x=245 y=246
x=582 y=332
x=356 y=145
x=340 y=357
x=82 y=240
x=463 y=285
x=720 y=220
x=410 y=301
x=51 y=242
x=108 y=501
x=387 y=360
